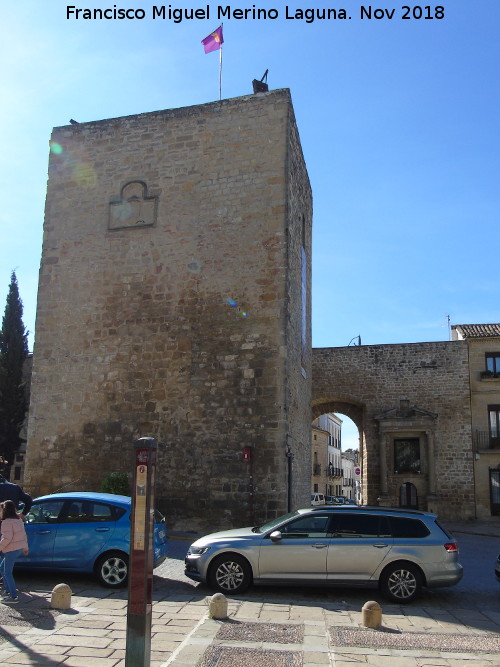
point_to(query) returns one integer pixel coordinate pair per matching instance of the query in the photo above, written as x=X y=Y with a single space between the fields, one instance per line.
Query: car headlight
x=197 y=551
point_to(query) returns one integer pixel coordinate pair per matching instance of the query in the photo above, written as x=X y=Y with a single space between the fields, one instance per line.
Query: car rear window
x=88 y=511
x=446 y=532
x=119 y=512
x=354 y=524
x=404 y=527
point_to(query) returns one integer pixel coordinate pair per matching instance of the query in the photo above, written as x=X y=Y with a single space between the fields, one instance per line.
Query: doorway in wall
x=495 y=491
x=408 y=497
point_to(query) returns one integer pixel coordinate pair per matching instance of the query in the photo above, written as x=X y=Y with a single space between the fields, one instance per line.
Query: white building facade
x=327 y=455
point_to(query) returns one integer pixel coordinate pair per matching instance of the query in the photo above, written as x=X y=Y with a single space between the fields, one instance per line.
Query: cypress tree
x=13 y=353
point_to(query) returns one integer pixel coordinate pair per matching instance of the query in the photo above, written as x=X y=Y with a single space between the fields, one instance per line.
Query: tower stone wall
x=174 y=302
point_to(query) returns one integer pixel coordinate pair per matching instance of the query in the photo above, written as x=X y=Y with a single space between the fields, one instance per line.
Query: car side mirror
x=275 y=536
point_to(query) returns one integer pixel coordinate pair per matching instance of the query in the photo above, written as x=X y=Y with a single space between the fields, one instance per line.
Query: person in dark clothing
x=10 y=491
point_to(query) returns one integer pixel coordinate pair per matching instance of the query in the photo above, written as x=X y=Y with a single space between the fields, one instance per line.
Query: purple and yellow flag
x=214 y=41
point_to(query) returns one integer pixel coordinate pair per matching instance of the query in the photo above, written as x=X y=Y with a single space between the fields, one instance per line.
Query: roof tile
x=478 y=330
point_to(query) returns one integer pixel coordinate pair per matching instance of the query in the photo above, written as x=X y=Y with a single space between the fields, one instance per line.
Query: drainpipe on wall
x=289 y=456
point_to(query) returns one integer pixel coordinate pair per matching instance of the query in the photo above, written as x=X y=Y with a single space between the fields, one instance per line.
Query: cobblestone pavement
x=266 y=627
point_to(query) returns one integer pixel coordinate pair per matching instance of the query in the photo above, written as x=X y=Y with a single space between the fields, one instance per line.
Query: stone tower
x=174 y=302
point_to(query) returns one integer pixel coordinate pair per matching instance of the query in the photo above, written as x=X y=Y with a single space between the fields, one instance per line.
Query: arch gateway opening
x=411 y=405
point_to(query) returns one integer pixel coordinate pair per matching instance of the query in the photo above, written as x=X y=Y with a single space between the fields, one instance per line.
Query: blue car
x=86 y=532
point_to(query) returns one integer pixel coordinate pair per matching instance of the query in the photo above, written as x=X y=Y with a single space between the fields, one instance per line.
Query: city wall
x=412 y=390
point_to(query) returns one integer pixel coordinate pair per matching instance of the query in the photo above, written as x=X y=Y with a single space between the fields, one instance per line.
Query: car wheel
x=112 y=569
x=401 y=582
x=230 y=573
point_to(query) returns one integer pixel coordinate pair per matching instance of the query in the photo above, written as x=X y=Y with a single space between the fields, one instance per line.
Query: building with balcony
x=326 y=455
x=483 y=342
x=351 y=483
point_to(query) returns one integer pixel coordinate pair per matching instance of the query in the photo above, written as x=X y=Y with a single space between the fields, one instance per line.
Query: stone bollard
x=217 y=607
x=371 y=615
x=61 y=597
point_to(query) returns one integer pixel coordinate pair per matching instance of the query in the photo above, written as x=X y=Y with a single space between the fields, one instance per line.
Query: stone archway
x=395 y=394
x=350 y=408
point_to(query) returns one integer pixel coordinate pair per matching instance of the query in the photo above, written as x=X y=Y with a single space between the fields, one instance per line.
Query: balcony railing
x=488 y=374
x=484 y=440
x=335 y=472
x=317 y=469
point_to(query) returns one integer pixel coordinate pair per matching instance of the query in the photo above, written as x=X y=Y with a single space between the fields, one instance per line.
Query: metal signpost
x=247 y=456
x=140 y=585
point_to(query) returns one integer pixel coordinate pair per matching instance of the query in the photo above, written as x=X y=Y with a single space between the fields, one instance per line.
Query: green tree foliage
x=13 y=353
x=116 y=482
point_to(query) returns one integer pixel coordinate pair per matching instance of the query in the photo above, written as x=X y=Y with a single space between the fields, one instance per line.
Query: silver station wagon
x=396 y=550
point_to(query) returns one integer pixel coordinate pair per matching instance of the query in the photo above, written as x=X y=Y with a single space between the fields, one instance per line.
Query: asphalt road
x=477 y=590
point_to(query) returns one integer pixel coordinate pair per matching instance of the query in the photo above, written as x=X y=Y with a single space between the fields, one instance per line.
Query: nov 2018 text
x=255 y=13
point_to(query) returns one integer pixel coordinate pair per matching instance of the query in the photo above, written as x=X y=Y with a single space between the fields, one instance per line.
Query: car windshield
x=275 y=522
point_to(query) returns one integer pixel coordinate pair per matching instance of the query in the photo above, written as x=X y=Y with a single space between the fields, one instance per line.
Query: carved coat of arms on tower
x=134 y=207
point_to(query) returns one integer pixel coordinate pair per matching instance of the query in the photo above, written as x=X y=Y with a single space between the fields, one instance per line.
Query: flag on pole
x=214 y=41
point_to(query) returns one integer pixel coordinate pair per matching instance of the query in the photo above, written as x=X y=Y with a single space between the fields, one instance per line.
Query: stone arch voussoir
x=344 y=405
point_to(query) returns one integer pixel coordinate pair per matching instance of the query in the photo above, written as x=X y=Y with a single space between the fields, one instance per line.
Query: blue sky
x=399 y=122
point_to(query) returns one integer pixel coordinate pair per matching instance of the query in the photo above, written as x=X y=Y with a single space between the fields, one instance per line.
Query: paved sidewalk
x=264 y=629
x=257 y=634
x=271 y=635
x=485 y=527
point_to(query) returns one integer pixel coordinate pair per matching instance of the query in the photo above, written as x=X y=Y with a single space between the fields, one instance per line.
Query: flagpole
x=214 y=42
x=220 y=70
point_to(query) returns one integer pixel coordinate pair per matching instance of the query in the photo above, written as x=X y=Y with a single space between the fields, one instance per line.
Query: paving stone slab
x=22 y=616
x=387 y=638
x=222 y=656
x=279 y=633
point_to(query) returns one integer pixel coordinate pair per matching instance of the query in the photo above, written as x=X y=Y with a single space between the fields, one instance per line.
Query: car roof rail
x=369 y=508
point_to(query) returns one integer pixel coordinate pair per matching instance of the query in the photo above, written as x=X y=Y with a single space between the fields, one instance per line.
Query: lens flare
x=56 y=148
x=233 y=304
x=85 y=175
